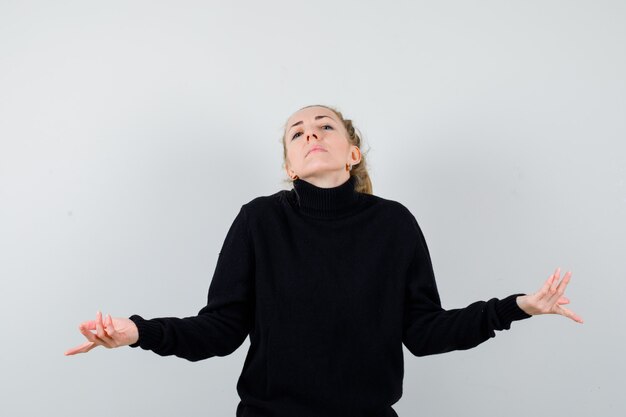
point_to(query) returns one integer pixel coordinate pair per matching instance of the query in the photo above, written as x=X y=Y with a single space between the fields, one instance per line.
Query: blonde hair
x=363 y=183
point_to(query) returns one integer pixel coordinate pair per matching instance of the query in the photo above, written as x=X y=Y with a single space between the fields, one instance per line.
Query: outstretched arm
x=223 y=324
x=429 y=329
x=218 y=329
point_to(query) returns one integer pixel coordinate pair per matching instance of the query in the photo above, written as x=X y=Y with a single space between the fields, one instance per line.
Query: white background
x=132 y=132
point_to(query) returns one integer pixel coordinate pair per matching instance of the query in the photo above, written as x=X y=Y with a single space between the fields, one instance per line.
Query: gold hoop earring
x=348 y=167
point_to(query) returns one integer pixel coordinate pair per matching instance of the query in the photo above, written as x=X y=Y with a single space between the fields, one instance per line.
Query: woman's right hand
x=111 y=333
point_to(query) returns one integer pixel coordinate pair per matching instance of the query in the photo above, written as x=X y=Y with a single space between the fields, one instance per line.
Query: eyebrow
x=300 y=122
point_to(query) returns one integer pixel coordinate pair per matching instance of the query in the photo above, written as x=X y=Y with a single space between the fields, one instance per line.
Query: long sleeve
x=429 y=329
x=223 y=324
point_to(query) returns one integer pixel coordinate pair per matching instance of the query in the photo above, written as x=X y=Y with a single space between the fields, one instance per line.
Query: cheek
x=298 y=147
x=294 y=152
x=339 y=149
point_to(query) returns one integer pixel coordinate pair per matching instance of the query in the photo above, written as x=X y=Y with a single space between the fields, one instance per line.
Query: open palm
x=550 y=299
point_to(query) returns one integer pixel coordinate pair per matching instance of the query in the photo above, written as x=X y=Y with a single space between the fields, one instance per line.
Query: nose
x=312 y=134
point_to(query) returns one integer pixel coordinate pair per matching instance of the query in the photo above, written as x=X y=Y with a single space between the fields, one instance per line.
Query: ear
x=355 y=154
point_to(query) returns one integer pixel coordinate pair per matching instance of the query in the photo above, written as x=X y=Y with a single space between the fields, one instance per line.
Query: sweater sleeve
x=223 y=324
x=429 y=329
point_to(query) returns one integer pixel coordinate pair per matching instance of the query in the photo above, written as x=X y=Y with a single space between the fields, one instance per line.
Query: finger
x=108 y=326
x=560 y=289
x=546 y=286
x=563 y=300
x=570 y=314
x=76 y=349
x=102 y=338
x=85 y=331
x=99 y=325
x=566 y=279
x=85 y=347
x=555 y=281
x=89 y=324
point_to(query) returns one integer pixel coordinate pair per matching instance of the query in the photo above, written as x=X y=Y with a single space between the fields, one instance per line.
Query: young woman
x=329 y=281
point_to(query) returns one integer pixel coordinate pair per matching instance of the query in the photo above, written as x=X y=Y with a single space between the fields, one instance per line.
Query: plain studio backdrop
x=132 y=132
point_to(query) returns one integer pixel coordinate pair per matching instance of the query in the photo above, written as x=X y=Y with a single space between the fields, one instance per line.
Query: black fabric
x=328 y=283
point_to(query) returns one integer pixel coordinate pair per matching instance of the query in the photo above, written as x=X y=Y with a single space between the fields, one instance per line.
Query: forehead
x=309 y=113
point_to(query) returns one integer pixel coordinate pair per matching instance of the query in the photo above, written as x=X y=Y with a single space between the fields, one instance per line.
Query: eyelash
x=294 y=135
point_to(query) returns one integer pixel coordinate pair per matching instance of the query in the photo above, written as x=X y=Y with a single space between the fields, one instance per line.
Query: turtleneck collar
x=324 y=202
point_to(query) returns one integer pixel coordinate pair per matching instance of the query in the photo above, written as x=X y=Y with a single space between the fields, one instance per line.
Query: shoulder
x=404 y=219
x=258 y=206
x=391 y=207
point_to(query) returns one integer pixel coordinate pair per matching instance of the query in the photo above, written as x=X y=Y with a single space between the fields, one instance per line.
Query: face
x=317 y=146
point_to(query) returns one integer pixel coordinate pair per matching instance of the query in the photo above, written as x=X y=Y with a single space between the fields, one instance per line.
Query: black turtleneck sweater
x=329 y=283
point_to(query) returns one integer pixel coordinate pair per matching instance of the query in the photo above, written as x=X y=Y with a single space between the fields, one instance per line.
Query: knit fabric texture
x=328 y=284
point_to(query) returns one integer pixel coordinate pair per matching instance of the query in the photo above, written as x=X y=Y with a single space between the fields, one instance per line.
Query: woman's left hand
x=549 y=299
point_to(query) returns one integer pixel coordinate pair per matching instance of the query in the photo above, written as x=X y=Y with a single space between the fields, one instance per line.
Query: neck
x=325 y=202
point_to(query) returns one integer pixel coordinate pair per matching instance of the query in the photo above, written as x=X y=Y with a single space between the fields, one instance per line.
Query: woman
x=329 y=281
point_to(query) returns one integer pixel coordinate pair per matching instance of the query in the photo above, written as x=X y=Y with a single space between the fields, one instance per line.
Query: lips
x=316 y=148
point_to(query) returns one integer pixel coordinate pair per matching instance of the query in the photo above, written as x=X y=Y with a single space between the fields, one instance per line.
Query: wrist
x=522 y=303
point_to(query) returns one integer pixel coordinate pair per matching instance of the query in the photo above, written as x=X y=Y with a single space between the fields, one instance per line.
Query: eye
x=295 y=134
